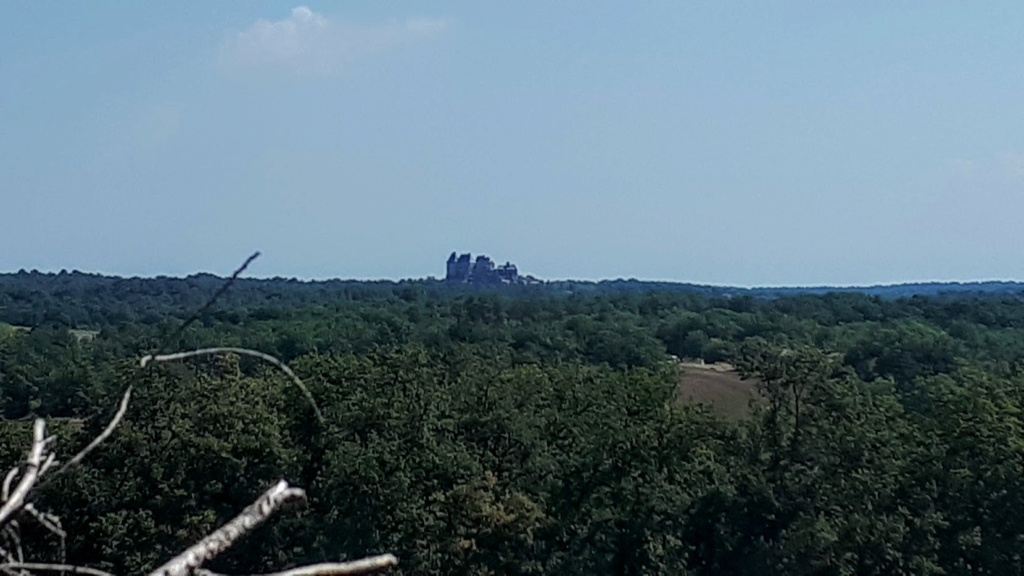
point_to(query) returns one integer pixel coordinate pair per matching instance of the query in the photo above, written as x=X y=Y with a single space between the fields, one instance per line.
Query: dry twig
x=40 y=461
x=145 y=360
x=118 y=416
x=64 y=568
x=188 y=563
x=7 y=482
x=221 y=539
x=36 y=465
x=216 y=296
x=363 y=566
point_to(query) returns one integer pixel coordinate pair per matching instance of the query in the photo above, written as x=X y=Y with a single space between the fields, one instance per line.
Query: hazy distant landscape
x=567 y=427
x=658 y=288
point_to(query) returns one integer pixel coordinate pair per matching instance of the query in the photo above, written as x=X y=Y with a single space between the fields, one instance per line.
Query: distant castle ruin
x=462 y=268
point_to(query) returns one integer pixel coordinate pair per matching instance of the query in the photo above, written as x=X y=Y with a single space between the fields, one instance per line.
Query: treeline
x=84 y=300
x=540 y=432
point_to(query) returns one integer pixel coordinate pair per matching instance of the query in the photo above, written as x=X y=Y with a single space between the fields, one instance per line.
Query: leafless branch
x=216 y=296
x=189 y=563
x=221 y=539
x=114 y=422
x=364 y=566
x=7 y=482
x=52 y=524
x=62 y=568
x=48 y=521
x=145 y=360
x=11 y=532
x=17 y=499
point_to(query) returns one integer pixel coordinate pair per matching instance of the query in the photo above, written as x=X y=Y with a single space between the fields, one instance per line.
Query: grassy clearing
x=84 y=334
x=80 y=335
x=10 y=330
x=717 y=386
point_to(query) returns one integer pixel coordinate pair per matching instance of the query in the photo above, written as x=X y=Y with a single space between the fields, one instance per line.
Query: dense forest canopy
x=531 y=430
x=82 y=299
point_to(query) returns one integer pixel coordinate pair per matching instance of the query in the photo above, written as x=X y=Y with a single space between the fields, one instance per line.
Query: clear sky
x=743 y=143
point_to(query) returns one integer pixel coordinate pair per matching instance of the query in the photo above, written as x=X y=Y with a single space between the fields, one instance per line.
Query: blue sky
x=743 y=143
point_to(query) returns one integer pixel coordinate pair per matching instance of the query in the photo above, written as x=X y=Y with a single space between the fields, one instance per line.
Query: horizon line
x=311 y=279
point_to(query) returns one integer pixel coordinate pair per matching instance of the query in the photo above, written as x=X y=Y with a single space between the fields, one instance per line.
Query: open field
x=84 y=334
x=718 y=386
x=7 y=329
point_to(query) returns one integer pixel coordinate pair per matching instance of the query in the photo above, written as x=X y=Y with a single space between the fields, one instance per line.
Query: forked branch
x=17 y=501
x=41 y=460
x=221 y=539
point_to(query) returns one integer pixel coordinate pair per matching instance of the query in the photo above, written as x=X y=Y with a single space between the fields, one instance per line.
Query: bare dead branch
x=7 y=483
x=13 y=534
x=118 y=416
x=213 y=299
x=186 y=563
x=40 y=460
x=364 y=566
x=48 y=521
x=51 y=459
x=17 y=499
x=52 y=524
x=145 y=360
x=62 y=568
x=11 y=538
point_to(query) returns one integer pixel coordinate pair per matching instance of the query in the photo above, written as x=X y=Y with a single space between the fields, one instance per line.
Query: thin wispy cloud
x=1005 y=168
x=1013 y=165
x=306 y=42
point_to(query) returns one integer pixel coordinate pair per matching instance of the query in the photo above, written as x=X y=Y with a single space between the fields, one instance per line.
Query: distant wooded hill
x=883 y=291
x=618 y=427
x=32 y=298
